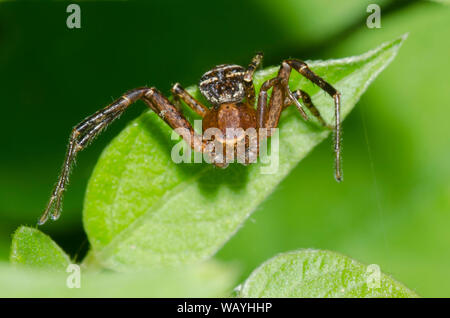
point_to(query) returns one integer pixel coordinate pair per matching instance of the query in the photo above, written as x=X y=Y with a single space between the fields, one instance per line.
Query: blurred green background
x=393 y=209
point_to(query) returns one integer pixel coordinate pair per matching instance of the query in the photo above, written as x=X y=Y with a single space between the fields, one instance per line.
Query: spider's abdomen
x=230 y=115
x=223 y=84
x=230 y=124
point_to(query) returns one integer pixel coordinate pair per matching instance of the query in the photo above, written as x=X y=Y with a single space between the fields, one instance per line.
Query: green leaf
x=204 y=280
x=33 y=248
x=142 y=209
x=315 y=273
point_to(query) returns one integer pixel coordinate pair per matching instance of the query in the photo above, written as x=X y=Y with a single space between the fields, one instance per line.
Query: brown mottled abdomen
x=239 y=115
x=232 y=120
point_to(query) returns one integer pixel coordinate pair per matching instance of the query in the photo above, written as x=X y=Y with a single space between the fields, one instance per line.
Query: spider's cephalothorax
x=223 y=84
x=230 y=90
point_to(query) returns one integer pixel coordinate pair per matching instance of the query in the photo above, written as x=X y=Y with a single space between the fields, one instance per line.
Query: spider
x=229 y=89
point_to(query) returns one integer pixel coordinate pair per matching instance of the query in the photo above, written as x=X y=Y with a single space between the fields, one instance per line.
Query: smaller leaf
x=209 y=279
x=33 y=248
x=316 y=273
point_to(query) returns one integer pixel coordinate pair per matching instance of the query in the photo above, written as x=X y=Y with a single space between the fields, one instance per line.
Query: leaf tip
x=402 y=39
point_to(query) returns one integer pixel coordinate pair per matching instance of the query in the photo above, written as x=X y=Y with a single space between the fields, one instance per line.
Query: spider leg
x=299 y=94
x=172 y=116
x=175 y=119
x=80 y=137
x=304 y=70
x=277 y=98
x=180 y=93
x=262 y=102
x=248 y=77
x=86 y=131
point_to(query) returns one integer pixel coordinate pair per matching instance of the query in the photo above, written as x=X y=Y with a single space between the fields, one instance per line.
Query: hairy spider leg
x=86 y=131
x=299 y=94
x=179 y=92
x=80 y=137
x=248 y=77
x=261 y=109
x=282 y=97
x=304 y=70
x=174 y=118
x=277 y=98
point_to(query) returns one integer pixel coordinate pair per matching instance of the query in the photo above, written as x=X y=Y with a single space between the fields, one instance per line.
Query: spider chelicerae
x=230 y=91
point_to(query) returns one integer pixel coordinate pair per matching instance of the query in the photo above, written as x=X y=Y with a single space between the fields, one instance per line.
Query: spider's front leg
x=303 y=69
x=80 y=137
x=269 y=119
x=179 y=93
x=248 y=77
x=299 y=94
x=291 y=98
x=282 y=96
x=174 y=118
x=91 y=127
